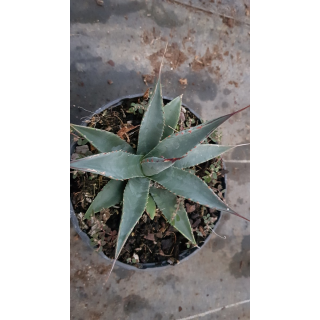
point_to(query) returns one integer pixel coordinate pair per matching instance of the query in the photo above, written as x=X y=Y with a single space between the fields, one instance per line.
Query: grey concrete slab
x=120 y=42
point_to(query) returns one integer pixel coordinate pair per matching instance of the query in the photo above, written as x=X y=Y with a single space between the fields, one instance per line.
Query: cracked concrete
x=121 y=42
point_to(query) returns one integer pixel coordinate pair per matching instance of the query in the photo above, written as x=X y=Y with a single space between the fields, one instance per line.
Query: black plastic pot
x=185 y=255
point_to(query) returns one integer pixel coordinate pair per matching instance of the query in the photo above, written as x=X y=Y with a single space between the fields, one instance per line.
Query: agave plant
x=153 y=175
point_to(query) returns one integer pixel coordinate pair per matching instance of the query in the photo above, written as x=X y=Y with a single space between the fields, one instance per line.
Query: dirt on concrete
x=173 y=55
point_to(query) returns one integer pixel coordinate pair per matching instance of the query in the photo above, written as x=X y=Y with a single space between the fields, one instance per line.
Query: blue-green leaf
x=102 y=140
x=117 y=165
x=178 y=144
x=151 y=166
x=176 y=216
x=189 y=186
x=200 y=154
x=171 y=116
x=151 y=207
x=152 y=123
x=135 y=198
x=110 y=195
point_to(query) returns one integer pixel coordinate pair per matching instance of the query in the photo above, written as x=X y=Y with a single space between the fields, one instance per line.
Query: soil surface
x=152 y=241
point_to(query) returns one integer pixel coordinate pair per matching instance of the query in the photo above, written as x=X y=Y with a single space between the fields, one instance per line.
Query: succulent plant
x=154 y=175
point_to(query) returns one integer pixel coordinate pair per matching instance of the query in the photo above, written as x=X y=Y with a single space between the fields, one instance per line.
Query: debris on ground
x=148 y=78
x=184 y=82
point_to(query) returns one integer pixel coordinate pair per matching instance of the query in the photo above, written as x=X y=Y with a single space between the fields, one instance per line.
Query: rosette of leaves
x=154 y=175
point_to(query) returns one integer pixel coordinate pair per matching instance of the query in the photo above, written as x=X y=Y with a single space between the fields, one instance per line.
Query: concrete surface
x=212 y=53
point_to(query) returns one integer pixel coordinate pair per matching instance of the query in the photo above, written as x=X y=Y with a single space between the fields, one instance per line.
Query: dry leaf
x=82 y=224
x=136 y=257
x=148 y=78
x=95 y=226
x=75 y=156
x=105 y=214
x=184 y=82
x=197 y=222
x=122 y=133
x=92 y=148
x=202 y=231
x=144 y=218
x=100 y=2
x=190 y=208
x=113 y=236
x=82 y=149
x=182 y=117
x=150 y=237
x=146 y=94
x=235 y=83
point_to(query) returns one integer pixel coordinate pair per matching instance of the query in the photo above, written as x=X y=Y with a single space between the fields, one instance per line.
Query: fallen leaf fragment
x=182 y=117
x=122 y=133
x=202 y=231
x=146 y=94
x=105 y=214
x=136 y=257
x=75 y=156
x=235 y=83
x=184 y=82
x=190 y=208
x=148 y=78
x=82 y=149
x=92 y=148
x=196 y=223
x=150 y=237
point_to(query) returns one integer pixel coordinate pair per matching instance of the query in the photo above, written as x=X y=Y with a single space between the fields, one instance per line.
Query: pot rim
x=84 y=236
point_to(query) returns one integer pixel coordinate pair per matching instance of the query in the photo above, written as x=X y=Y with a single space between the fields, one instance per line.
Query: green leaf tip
x=191 y=187
x=171 y=116
x=152 y=124
x=151 y=207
